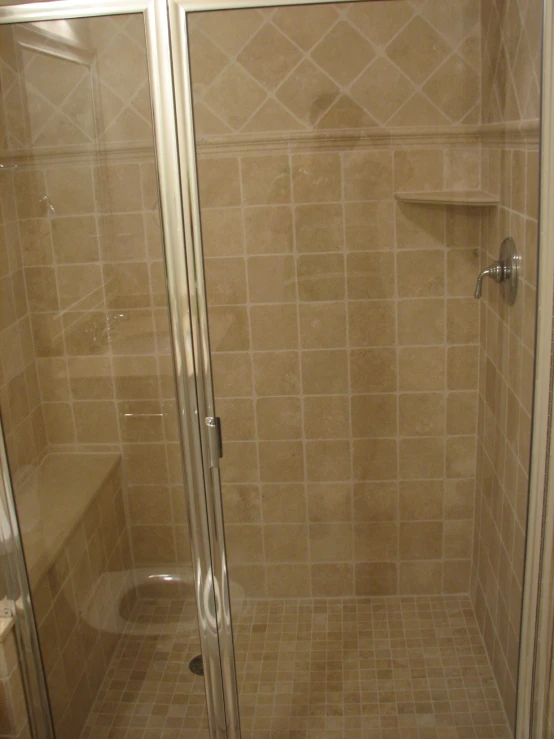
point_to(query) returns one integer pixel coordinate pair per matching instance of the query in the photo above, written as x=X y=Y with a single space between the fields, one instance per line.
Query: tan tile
x=375 y=542
x=232 y=374
x=421 y=500
x=375 y=459
x=139 y=420
x=458 y=536
x=241 y=503
x=330 y=542
x=460 y=456
x=319 y=228
x=70 y=189
x=382 y=89
x=328 y=460
x=374 y=415
x=316 y=178
x=286 y=542
x=421 y=414
x=58 y=420
x=326 y=417
x=274 y=327
x=278 y=418
x=420 y=274
x=329 y=502
x=416 y=170
x=462 y=270
x=456 y=576
x=234 y=96
x=269 y=57
x=237 y=418
x=368 y=176
x=276 y=373
x=266 y=179
x=219 y=182
x=222 y=232
x=376 y=578
x=461 y=413
x=281 y=461
x=421 y=458
x=343 y=53
x=462 y=321
x=462 y=367
x=373 y=370
x=53 y=378
x=244 y=543
x=76 y=239
x=372 y=323
x=240 y=462
x=288 y=580
x=305 y=25
x=421 y=321
x=320 y=277
x=283 y=503
x=271 y=279
x=419 y=227
x=370 y=275
x=417 y=578
x=421 y=540
x=375 y=501
x=331 y=580
x=422 y=368
x=225 y=281
x=322 y=325
x=369 y=225
x=324 y=372
x=458 y=500
x=268 y=229
x=229 y=328
x=418 y=49
x=42 y=293
x=308 y=92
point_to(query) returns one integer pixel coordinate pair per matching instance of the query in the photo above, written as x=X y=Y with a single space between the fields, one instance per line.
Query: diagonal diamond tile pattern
x=375 y=56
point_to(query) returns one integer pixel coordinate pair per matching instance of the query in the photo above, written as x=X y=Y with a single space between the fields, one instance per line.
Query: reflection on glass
x=86 y=390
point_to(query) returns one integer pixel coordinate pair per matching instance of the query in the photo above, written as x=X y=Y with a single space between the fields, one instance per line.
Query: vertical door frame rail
x=174 y=228
x=535 y=654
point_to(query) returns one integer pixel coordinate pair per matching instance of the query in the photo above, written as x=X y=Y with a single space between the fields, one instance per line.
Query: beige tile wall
x=511 y=54
x=91 y=259
x=74 y=604
x=13 y=710
x=21 y=411
x=351 y=65
x=345 y=349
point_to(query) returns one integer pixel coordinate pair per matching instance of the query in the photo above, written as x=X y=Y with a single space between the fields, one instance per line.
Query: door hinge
x=215 y=440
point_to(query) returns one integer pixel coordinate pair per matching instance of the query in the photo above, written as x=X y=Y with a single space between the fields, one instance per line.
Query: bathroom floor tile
x=351 y=668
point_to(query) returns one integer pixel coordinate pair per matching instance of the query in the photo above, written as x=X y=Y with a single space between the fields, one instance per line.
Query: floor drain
x=196 y=666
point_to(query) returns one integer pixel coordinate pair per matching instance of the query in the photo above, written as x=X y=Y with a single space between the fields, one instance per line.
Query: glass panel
x=376 y=416
x=87 y=392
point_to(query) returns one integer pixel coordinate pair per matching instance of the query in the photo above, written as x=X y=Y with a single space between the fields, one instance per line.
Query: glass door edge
x=541 y=501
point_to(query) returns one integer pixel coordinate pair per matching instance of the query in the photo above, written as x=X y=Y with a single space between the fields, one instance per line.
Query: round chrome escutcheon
x=511 y=261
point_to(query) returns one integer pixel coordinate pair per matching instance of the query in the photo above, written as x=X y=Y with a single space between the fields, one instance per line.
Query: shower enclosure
x=251 y=408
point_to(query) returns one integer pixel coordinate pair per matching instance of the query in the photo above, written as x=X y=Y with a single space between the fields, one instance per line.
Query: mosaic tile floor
x=394 y=668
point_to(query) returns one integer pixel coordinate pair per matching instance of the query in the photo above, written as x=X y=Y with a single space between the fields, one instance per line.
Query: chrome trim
x=19 y=591
x=177 y=279
x=174 y=230
x=201 y=343
x=538 y=606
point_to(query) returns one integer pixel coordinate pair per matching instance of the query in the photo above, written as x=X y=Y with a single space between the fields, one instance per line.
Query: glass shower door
x=94 y=366
x=352 y=185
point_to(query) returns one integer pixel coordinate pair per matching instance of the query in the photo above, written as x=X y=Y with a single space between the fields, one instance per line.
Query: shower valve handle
x=505 y=271
x=498 y=271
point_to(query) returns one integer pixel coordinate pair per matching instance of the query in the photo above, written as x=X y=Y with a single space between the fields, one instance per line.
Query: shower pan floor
x=365 y=668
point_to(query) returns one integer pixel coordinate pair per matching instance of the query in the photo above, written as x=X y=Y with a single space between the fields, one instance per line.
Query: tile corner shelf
x=470 y=198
